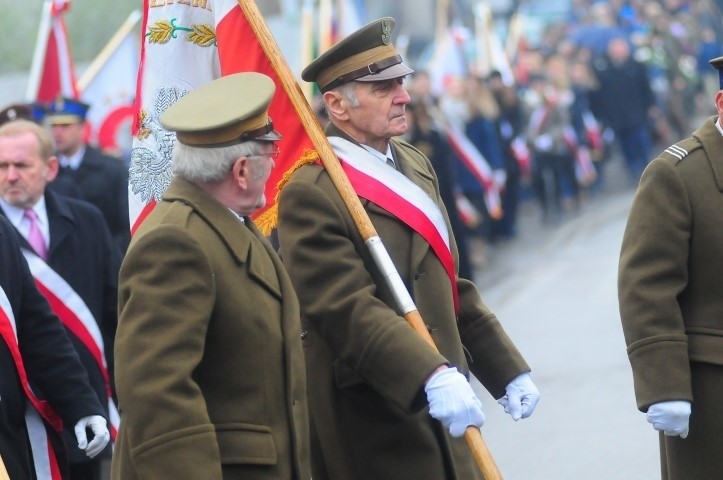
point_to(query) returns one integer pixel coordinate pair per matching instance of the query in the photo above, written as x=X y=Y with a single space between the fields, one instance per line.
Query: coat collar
x=407 y=165
x=237 y=238
x=712 y=142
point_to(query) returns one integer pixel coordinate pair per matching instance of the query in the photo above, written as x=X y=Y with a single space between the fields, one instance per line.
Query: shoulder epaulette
x=682 y=149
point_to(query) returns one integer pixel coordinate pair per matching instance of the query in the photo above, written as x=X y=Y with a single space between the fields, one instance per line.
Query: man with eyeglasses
x=209 y=367
x=371 y=377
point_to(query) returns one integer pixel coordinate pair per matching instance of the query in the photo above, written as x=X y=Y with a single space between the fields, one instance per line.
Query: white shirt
x=16 y=216
x=72 y=161
x=379 y=154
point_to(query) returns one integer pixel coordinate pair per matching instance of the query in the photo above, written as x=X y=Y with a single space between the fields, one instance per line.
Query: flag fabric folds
x=184 y=47
x=52 y=73
x=108 y=86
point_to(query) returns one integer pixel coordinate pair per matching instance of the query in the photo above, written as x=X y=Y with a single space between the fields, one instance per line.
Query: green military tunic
x=209 y=362
x=671 y=296
x=365 y=365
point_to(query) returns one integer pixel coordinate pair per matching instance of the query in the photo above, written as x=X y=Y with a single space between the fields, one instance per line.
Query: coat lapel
x=60 y=221
x=238 y=239
x=712 y=142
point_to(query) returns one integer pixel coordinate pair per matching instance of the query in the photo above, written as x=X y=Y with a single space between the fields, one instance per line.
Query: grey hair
x=198 y=164
x=348 y=91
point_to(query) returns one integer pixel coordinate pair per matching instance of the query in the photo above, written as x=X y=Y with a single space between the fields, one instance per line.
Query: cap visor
x=395 y=71
x=63 y=119
x=272 y=136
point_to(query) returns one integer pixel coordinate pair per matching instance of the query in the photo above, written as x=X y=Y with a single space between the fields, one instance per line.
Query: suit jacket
x=83 y=253
x=209 y=366
x=103 y=181
x=671 y=296
x=366 y=367
x=50 y=360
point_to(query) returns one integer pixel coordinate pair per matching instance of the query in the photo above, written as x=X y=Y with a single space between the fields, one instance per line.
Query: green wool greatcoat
x=365 y=365
x=671 y=295
x=209 y=362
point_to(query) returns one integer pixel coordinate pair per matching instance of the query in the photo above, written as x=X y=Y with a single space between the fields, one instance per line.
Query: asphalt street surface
x=554 y=288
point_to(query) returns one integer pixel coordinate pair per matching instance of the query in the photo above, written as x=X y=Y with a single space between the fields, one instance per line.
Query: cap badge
x=386 y=32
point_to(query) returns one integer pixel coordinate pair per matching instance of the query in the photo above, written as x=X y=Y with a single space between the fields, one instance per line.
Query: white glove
x=521 y=398
x=671 y=418
x=98 y=426
x=453 y=402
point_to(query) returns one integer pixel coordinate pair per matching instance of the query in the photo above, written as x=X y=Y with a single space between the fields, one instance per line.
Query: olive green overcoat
x=365 y=365
x=671 y=294
x=209 y=362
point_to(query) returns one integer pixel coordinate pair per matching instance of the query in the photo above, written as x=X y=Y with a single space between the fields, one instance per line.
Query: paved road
x=555 y=291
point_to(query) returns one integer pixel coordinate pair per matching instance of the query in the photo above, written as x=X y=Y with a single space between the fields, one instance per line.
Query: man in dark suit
x=74 y=242
x=209 y=365
x=101 y=180
x=371 y=377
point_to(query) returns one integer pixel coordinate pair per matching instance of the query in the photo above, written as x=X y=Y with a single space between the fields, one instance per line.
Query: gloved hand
x=671 y=418
x=98 y=426
x=453 y=402
x=521 y=398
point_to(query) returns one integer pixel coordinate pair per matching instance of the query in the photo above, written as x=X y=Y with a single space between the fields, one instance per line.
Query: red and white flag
x=215 y=42
x=108 y=86
x=477 y=164
x=52 y=72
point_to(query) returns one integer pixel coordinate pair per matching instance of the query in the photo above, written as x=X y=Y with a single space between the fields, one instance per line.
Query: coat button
x=418 y=275
x=304 y=333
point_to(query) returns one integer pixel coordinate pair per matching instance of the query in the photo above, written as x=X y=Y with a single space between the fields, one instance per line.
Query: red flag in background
x=215 y=43
x=52 y=72
x=235 y=35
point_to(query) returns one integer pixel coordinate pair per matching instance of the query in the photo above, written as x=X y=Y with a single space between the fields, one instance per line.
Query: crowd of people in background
x=617 y=81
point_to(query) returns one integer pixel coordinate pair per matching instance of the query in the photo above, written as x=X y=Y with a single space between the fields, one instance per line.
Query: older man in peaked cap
x=671 y=299
x=209 y=366
x=383 y=404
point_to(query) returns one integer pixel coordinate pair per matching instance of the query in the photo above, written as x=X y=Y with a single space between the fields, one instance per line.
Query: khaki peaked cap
x=366 y=55
x=225 y=111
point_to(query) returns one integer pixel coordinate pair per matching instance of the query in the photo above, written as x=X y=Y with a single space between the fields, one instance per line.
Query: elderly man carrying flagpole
x=370 y=376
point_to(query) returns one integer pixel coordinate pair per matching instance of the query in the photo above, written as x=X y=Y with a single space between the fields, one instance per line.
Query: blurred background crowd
x=609 y=82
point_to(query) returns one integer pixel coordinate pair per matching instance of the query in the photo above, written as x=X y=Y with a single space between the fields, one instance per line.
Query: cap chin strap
x=371 y=69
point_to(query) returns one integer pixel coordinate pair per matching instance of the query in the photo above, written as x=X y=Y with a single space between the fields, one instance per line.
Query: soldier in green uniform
x=671 y=299
x=209 y=362
x=383 y=404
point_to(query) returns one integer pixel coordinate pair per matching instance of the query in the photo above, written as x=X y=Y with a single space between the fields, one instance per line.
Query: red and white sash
x=398 y=195
x=76 y=317
x=44 y=459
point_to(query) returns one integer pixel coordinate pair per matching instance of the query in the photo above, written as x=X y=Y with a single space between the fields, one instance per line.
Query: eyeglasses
x=273 y=155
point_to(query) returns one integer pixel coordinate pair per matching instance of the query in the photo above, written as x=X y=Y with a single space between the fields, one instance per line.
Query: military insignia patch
x=386 y=32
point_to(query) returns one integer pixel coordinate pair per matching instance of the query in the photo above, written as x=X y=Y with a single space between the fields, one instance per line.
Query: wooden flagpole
x=3 y=471
x=481 y=453
x=115 y=41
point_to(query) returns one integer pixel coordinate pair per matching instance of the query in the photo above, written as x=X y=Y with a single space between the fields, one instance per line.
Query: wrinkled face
x=380 y=113
x=68 y=138
x=23 y=172
x=259 y=170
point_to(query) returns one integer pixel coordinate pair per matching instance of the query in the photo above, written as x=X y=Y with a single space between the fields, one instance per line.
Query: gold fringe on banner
x=267 y=221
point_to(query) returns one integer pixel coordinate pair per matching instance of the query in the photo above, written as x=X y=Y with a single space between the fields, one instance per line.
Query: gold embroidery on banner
x=160 y=32
x=205 y=4
x=143 y=130
x=201 y=34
